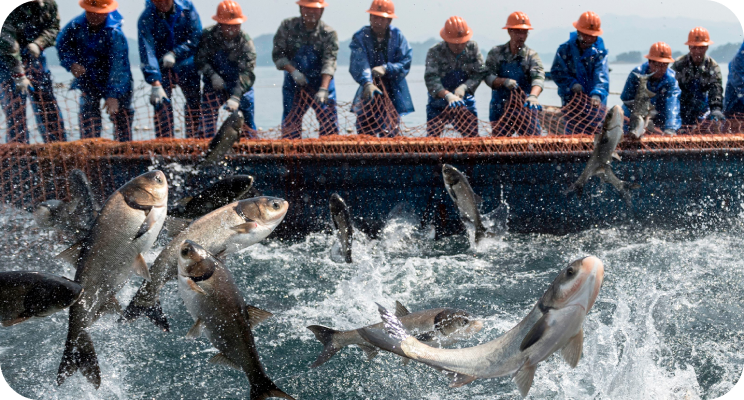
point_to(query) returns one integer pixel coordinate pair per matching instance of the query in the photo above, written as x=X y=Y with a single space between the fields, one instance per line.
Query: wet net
x=30 y=173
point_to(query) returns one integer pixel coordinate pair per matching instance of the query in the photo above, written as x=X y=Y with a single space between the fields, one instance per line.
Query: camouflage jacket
x=240 y=63
x=440 y=61
x=709 y=75
x=292 y=36
x=34 y=21
x=528 y=59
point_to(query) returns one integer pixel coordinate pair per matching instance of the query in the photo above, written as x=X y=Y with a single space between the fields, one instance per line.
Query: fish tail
x=147 y=304
x=575 y=187
x=79 y=354
x=325 y=337
x=262 y=388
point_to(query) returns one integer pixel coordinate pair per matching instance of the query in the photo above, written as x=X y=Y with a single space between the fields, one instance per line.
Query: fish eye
x=570 y=272
x=465 y=321
x=185 y=251
x=275 y=205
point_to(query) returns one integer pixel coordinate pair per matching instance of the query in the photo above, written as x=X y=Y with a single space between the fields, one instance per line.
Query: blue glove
x=453 y=100
x=532 y=103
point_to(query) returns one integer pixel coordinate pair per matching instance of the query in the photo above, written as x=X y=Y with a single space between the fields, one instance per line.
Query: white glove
x=461 y=90
x=577 y=88
x=169 y=60
x=509 y=84
x=596 y=101
x=670 y=132
x=22 y=84
x=453 y=100
x=379 y=71
x=370 y=90
x=158 y=96
x=532 y=103
x=322 y=96
x=232 y=103
x=34 y=50
x=217 y=82
x=299 y=77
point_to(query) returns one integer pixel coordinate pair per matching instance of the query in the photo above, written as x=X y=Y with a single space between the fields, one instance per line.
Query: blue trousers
x=188 y=81
x=90 y=117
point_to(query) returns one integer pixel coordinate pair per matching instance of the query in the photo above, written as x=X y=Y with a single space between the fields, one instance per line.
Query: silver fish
x=24 y=295
x=73 y=217
x=555 y=323
x=599 y=162
x=222 y=143
x=219 y=310
x=223 y=231
x=641 y=110
x=465 y=199
x=342 y=222
x=436 y=327
x=127 y=226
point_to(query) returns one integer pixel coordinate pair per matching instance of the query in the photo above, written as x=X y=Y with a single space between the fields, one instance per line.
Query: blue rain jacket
x=104 y=54
x=180 y=33
x=590 y=69
x=734 y=99
x=666 y=100
x=397 y=63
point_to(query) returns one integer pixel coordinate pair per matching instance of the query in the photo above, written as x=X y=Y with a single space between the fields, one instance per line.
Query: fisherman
x=169 y=32
x=381 y=56
x=94 y=49
x=514 y=65
x=700 y=80
x=226 y=58
x=734 y=101
x=454 y=69
x=306 y=49
x=580 y=66
x=28 y=30
x=662 y=82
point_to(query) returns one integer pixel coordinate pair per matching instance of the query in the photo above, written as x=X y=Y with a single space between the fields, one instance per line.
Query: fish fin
x=184 y=201
x=176 y=225
x=10 y=322
x=523 y=378
x=575 y=187
x=379 y=338
x=392 y=324
x=255 y=315
x=111 y=306
x=478 y=198
x=147 y=224
x=196 y=330
x=79 y=354
x=193 y=286
x=140 y=267
x=616 y=156
x=369 y=351
x=405 y=360
x=221 y=359
x=325 y=337
x=245 y=228
x=400 y=310
x=154 y=312
x=72 y=253
x=263 y=388
x=534 y=335
x=572 y=351
x=457 y=380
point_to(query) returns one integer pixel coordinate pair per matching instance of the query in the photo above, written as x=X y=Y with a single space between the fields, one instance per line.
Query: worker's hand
x=509 y=84
x=577 y=88
x=111 y=105
x=596 y=101
x=217 y=82
x=716 y=115
x=461 y=90
x=169 y=60
x=532 y=103
x=232 y=103
x=33 y=50
x=77 y=70
x=453 y=100
x=322 y=96
x=670 y=132
x=370 y=91
x=299 y=77
x=22 y=84
x=158 y=96
x=379 y=71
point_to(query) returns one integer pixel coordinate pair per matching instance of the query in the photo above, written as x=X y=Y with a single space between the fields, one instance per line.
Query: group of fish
x=230 y=216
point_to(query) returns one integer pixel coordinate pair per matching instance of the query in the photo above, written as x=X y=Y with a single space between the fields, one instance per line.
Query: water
x=667 y=323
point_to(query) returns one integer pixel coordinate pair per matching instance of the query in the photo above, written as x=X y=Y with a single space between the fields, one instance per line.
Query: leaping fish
x=342 y=222
x=465 y=199
x=641 y=109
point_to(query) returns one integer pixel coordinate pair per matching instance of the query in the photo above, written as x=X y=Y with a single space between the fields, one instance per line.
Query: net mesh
x=31 y=173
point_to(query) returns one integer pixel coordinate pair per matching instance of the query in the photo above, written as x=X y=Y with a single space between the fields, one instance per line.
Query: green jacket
x=292 y=35
x=234 y=60
x=32 y=22
x=440 y=61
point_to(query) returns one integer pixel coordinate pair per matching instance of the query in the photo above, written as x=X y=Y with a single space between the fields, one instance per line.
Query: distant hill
x=53 y=57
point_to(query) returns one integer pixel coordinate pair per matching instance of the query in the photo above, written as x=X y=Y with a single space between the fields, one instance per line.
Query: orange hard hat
x=589 y=24
x=698 y=37
x=312 y=3
x=456 y=31
x=229 y=13
x=99 y=6
x=660 y=52
x=382 y=8
x=518 y=20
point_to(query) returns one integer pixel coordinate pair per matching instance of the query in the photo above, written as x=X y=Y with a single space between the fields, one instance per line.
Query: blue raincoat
x=180 y=33
x=733 y=102
x=588 y=68
x=666 y=100
x=397 y=62
x=104 y=54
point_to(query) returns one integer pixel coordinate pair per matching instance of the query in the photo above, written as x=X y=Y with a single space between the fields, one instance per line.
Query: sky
x=422 y=19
